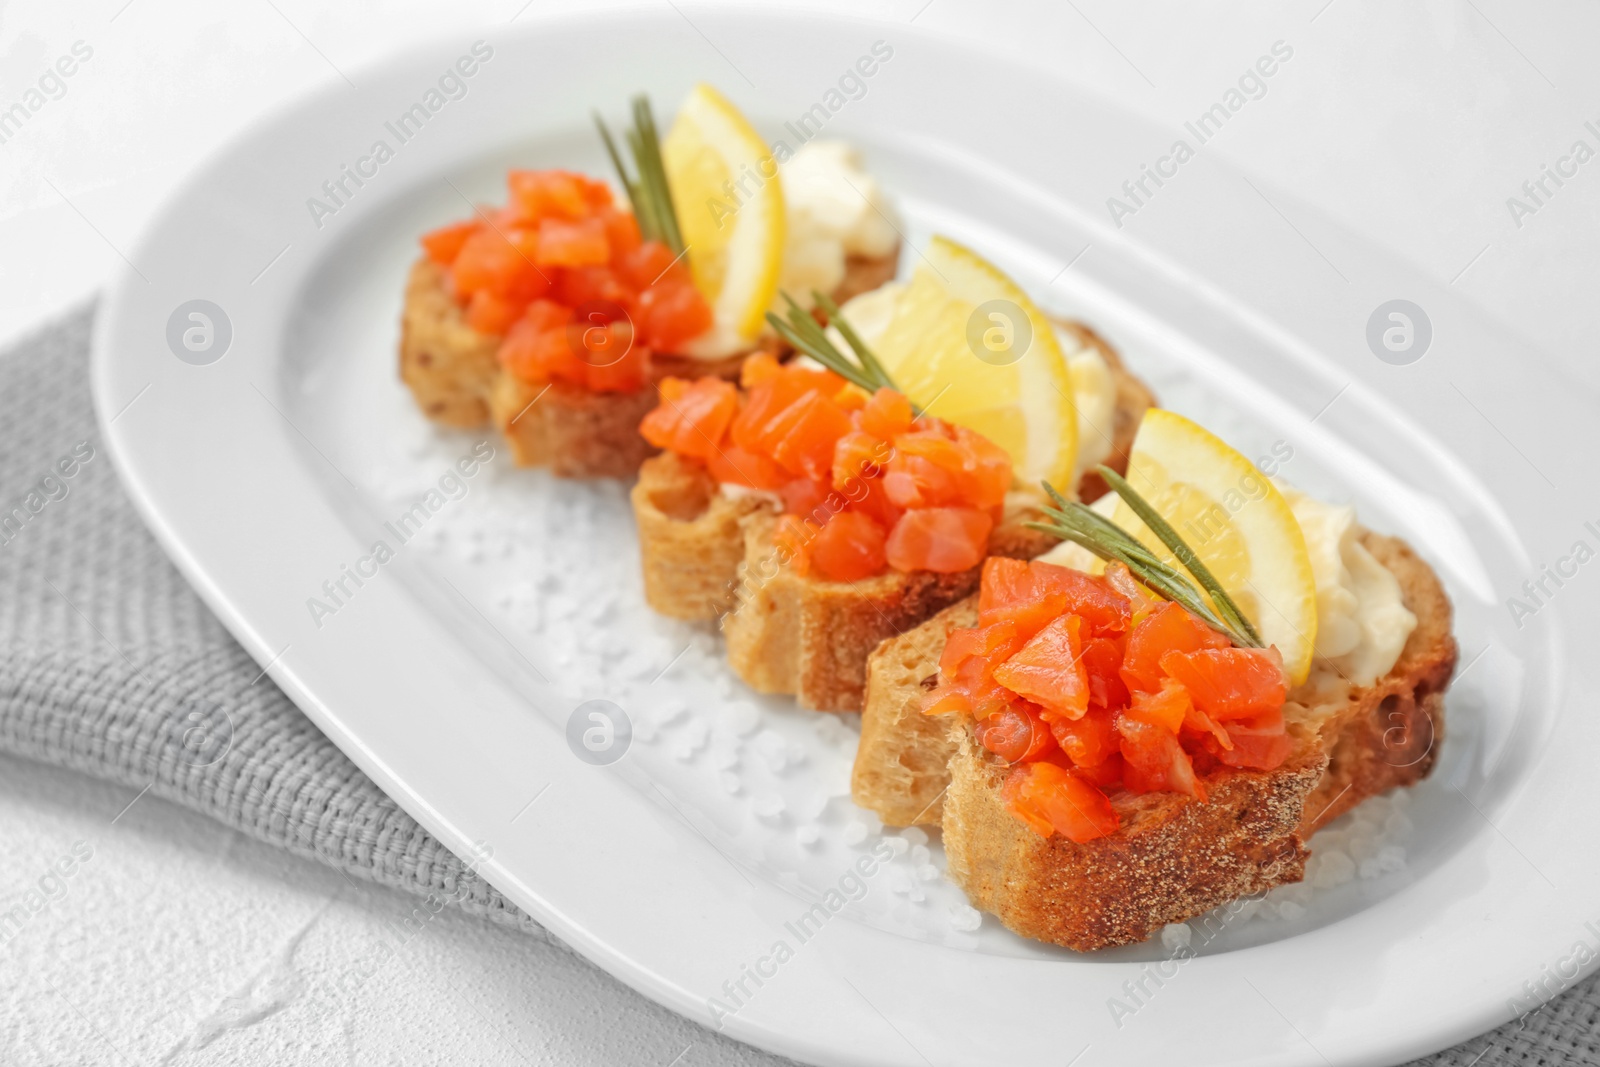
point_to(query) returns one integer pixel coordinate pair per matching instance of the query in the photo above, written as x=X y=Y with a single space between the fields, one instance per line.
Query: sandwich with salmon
x=556 y=316
x=1156 y=717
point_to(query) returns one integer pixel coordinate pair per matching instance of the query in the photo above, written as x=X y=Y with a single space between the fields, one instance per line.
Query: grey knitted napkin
x=111 y=665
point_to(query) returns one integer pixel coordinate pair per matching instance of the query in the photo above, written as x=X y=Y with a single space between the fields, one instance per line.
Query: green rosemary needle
x=801 y=330
x=1185 y=555
x=646 y=187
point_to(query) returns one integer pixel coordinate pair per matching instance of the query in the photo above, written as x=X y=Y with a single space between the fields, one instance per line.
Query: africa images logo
x=599 y=732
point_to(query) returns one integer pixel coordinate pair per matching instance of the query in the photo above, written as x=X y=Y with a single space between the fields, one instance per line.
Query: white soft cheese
x=1094 y=391
x=1362 y=620
x=833 y=209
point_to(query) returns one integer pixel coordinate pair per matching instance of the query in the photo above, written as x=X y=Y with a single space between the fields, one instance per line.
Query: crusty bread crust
x=1174 y=858
x=811 y=637
x=454 y=373
x=574 y=432
x=450 y=367
x=862 y=274
x=902 y=765
x=582 y=434
x=1386 y=734
x=691 y=537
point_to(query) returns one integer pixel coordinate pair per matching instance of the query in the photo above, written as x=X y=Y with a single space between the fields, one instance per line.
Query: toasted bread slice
x=582 y=434
x=454 y=373
x=1388 y=733
x=450 y=367
x=811 y=637
x=902 y=767
x=862 y=274
x=574 y=432
x=691 y=536
x=1174 y=857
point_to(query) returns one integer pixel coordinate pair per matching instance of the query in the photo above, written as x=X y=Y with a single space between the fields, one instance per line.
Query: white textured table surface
x=182 y=942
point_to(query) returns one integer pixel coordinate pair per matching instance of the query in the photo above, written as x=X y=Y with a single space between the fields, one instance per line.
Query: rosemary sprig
x=1185 y=555
x=837 y=320
x=803 y=331
x=647 y=189
x=1071 y=521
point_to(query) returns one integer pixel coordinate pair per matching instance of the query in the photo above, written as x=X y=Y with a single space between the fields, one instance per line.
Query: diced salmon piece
x=1102 y=663
x=1015 y=734
x=572 y=243
x=1051 y=799
x=1168 y=707
x=444 y=244
x=1261 y=743
x=1040 y=591
x=887 y=415
x=648 y=264
x=1004 y=581
x=488 y=313
x=1089 y=740
x=1229 y=683
x=542 y=194
x=858 y=456
x=1049 y=671
x=942 y=540
x=597 y=292
x=966 y=671
x=1167 y=628
x=1155 y=761
x=985 y=472
x=733 y=465
x=849 y=547
x=615 y=363
x=669 y=314
x=691 y=418
x=802 y=436
x=622 y=231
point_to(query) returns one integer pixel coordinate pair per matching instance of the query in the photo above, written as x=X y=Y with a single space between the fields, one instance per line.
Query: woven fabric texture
x=111 y=665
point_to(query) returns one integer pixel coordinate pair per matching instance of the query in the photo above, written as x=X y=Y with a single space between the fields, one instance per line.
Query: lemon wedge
x=964 y=342
x=729 y=202
x=1236 y=521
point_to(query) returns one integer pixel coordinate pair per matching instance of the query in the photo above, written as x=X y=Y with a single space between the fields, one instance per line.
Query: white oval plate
x=719 y=866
